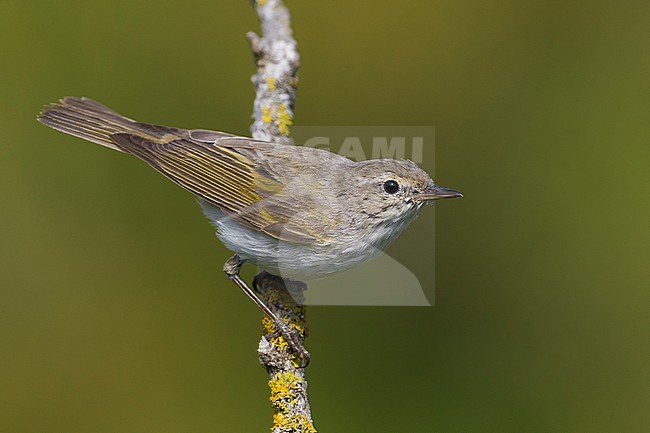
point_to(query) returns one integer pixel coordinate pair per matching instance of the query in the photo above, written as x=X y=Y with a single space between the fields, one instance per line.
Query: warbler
x=296 y=212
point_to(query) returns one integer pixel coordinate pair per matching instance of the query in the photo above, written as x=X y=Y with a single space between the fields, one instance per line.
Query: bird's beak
x=436 y=192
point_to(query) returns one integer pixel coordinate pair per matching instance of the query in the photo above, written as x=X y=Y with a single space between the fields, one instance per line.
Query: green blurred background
x=114 y=313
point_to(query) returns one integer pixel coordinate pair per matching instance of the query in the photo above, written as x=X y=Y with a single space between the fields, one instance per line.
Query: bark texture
x=277 y=60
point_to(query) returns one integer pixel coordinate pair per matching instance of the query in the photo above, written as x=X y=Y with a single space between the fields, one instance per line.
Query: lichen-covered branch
x=277 y=60
x=291 y=411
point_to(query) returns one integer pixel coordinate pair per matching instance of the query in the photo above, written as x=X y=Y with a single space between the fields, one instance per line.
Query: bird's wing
x=221 y=168
x=244 y=189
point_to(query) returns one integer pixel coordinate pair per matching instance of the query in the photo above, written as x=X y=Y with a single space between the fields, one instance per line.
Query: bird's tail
x=92 y=121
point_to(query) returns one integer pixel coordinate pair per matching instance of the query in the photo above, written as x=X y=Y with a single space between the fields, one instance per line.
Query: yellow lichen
x=279 y=420
x=261 y=2
x=279 y=342
x=297 y=326
x=283 y=120
x=293 y=423
x=266 y=115
x=284 y=387
x=267 y=326
x=278 y=390
x=270 y=82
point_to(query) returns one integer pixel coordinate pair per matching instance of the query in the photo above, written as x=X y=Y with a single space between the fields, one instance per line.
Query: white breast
x=296 y=261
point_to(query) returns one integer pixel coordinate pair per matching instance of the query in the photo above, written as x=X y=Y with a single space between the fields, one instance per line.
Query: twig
x=275 y=82
x=291 y=412
x=277 y=60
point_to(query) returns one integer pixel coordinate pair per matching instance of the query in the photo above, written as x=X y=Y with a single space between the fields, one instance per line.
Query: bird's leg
x=231 y=268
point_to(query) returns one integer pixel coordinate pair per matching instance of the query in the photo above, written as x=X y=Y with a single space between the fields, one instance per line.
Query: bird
x=296 y=212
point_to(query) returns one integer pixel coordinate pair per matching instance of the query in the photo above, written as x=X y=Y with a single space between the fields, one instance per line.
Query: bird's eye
x=391 y=186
